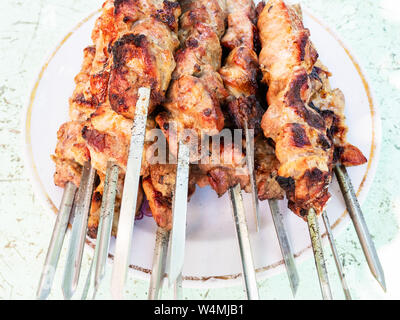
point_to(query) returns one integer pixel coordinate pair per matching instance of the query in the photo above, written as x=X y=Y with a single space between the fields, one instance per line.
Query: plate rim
x=225 y=280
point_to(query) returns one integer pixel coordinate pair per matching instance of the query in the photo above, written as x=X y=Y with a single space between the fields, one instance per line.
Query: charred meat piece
x=144 y=57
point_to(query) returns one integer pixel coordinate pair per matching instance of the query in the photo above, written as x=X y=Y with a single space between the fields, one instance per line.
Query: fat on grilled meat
x=304 y=135
x=134 y=44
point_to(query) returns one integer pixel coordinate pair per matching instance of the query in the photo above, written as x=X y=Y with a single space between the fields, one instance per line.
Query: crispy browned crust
x=282 y=34
x=160 y=206
x=66 y=171
x=246 y=111
x=240 y=72
x=129 y=11
x=229 y=171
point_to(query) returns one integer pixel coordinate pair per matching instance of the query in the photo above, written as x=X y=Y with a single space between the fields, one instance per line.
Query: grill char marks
x=241 y=69
x=246 y=110
x=167 y=14
x=143 y=58
x=131 y=48
x=299 y=136
x=129 y=11
x=94 y=138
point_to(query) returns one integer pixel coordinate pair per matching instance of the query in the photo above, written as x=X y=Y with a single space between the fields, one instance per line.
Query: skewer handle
x=360 y=225
x=319 y=255
x=159 y=259
x=56 y=242
x=285 y=246
x=336 y=256
x=78 y=233
x=243 y=236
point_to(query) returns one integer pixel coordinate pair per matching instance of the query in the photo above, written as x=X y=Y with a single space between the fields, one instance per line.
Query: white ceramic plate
x=212 y=255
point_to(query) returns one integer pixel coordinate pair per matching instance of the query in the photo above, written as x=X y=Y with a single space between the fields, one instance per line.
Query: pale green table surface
x=30 y=29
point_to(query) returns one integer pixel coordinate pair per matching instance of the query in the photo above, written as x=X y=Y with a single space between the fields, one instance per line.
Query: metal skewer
x=360 y=225
x=78 y=233
x=104 y=230
x=179 y=209
x=129 y=199
x=159 y=261
x=250 y=165
x=106 y=221
x=242 y=232
x=284 y=243
x=336 y=256
x=319 y=255
x=56 y=242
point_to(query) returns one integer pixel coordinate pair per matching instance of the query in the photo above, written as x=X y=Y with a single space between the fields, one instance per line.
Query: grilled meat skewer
x=304 y=136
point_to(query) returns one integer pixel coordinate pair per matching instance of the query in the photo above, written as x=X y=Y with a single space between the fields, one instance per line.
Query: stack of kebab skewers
x=134 y=44
x=305 y=124
x=194 y=103
x=240 y=75
x=99 y=132
x=195 y=97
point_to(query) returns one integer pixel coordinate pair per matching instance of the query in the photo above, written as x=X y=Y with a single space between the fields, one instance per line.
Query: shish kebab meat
x=305 y=117
x=193 y=98
x=197 y=93
x=197 y=90
x=134 y=45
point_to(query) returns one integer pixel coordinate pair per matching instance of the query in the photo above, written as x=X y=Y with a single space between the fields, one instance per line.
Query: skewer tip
x=381 y=280
x=42 y=294
x=294 y=284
